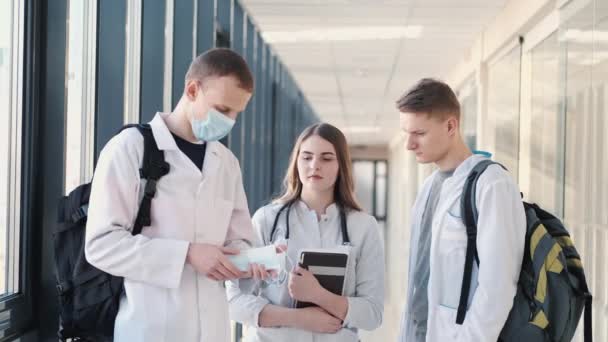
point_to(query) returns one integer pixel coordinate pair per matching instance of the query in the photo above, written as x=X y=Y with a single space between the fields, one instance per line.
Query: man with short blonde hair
x=430 y=116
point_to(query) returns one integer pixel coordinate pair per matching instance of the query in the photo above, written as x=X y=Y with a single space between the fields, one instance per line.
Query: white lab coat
x=500 y=245
x=364 y=284
x=164 y=299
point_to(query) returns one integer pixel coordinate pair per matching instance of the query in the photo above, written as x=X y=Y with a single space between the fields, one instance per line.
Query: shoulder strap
x=587 y=313
x=153 y=167
x=588 y=316
x=469 y=216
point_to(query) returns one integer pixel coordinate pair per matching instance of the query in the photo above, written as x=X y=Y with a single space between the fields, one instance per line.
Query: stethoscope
x=345 y=238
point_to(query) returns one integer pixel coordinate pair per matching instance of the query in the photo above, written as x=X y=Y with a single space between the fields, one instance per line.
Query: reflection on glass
x=601 y=79
x=584 y=38
x=547 y=136
x=133 y=57
x=11 y=100
x=579 y=115
x=80 y=98
x=363 y=172
x=371 y=179
x=502 y=127
x=467 y=96
x=5 y=120
x=381 y=180
x=74 y=95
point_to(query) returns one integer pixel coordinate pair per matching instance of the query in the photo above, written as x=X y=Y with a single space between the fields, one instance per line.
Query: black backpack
x=88 y=297
x=552 y=290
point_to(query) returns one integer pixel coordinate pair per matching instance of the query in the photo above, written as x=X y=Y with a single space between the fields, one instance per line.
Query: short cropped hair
x=432 y=97
x=219 y=62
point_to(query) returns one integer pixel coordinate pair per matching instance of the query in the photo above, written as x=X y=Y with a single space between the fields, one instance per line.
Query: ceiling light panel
x=345 y=53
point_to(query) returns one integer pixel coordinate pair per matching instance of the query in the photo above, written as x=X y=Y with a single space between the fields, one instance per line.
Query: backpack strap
x=587 y=314
x=469 y=216
x=153 y=168
x=588 y=327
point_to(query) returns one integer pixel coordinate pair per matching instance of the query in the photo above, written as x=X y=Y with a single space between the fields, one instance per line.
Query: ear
x=191 y=90
x=452 y=125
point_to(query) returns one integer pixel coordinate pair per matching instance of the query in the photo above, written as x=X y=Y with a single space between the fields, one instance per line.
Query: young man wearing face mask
x=173 y=270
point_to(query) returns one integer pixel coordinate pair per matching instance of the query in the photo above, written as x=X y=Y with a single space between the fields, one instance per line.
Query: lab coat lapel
x=212 y=161
x=453 y=186
x=162 y=135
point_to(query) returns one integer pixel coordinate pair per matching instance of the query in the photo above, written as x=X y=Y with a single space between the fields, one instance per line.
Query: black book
x=328 y=267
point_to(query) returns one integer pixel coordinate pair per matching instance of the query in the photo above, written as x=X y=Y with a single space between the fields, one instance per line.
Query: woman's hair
x=344 y=186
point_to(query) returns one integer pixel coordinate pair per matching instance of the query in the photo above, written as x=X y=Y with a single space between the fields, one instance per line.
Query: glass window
x=381 y=184
x=579 y=49
x=600 y=72
x=501 y=132
x=547 y=124
x=600 y=81
x=80 y=96
x=11 y=83
x=583 y=37
x=363 y=173
x=168 y=67
x=467 y=96
x=133 y=44
x=370 y=177
x=222 y=24
x=235 y=139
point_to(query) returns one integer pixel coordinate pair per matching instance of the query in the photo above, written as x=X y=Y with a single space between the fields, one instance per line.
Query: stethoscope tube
x=345 y=237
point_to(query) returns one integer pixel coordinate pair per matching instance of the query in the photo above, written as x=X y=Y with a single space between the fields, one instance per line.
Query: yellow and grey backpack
x=551 y=292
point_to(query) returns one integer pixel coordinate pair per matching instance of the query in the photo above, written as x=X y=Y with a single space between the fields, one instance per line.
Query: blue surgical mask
x=215 y=127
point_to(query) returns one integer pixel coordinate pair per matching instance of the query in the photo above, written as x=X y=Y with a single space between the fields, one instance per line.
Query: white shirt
x=364 y=285
x=164 y=299
x=501 y=231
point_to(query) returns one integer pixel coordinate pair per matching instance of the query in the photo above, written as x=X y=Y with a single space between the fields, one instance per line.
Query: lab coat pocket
x=154 y=300
x=453 y=221
x=452 y=252
x=447 y=329
x=222 y=215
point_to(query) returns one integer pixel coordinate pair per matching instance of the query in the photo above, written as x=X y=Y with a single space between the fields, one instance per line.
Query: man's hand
x=211 y=261
x=317 y=320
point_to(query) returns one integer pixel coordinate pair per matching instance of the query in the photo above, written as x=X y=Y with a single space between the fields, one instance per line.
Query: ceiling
x=354 y=58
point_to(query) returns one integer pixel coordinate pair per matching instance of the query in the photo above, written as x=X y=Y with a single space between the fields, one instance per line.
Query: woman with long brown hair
x=318 y=209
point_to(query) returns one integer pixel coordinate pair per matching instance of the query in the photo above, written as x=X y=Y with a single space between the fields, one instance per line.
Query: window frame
x=17 y=309
x=374 y=210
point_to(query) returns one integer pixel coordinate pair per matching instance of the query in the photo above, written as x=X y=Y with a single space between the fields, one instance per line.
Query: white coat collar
x=452 y=188
x=463 y=170
x=330 y=212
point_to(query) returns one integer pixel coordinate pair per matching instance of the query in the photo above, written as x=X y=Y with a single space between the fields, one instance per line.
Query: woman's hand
x=317 y=320
x=259 y=272
x=303 y=286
